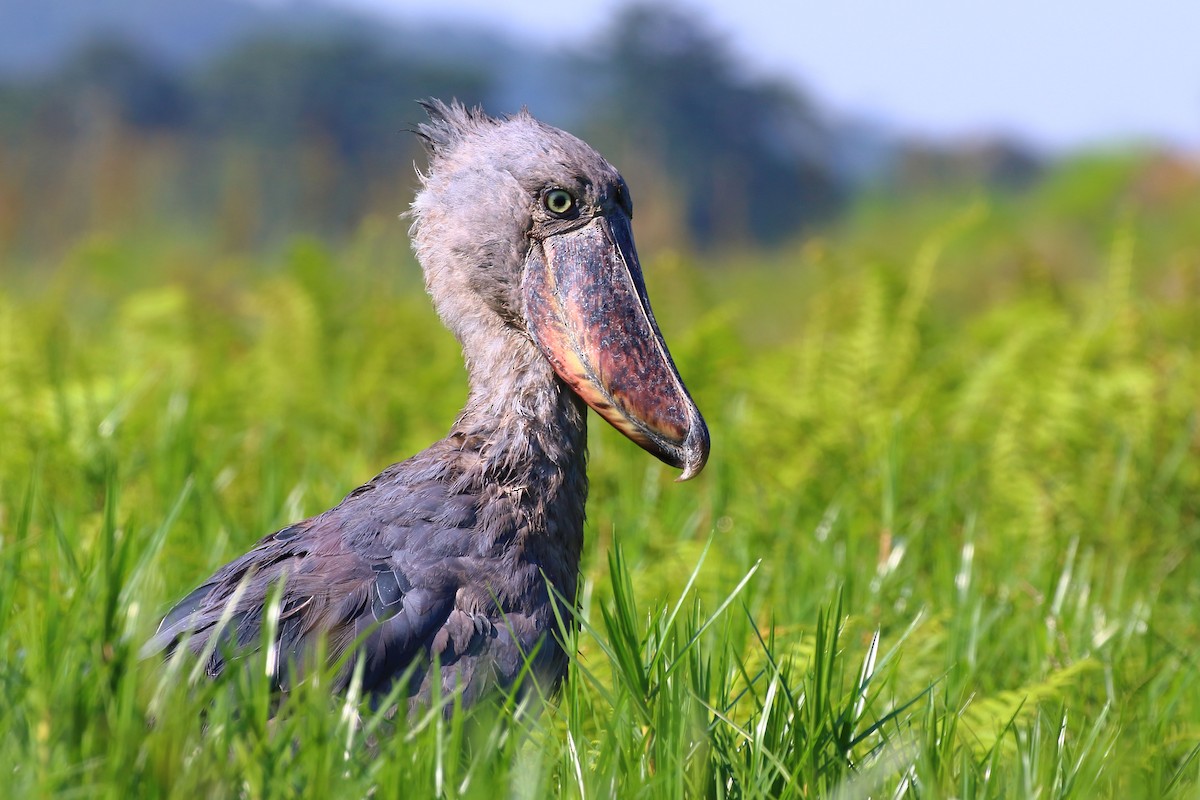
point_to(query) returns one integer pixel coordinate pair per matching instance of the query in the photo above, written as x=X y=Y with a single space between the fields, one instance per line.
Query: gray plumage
x=453 y=555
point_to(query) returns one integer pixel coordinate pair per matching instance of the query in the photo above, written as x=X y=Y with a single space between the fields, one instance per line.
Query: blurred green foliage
x=959 y=438
x=309 y=126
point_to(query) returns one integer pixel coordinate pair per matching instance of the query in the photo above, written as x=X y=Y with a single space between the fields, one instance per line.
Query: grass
x=945 y=546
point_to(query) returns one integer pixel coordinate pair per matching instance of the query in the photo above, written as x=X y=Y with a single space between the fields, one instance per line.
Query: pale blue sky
x=1058 y=73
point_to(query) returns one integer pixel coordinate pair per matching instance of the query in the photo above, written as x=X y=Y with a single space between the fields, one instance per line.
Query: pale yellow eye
x=559 y=201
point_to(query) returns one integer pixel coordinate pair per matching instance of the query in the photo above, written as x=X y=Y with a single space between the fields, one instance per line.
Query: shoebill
x=446 y=569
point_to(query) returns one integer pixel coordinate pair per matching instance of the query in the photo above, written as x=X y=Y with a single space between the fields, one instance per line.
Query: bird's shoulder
x=394 y=552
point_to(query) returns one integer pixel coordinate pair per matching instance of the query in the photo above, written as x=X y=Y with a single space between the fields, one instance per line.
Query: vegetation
x=946 y=544
x=303 y=110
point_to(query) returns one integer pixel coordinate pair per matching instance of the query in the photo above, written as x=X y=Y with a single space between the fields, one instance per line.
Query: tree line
x=276 y=133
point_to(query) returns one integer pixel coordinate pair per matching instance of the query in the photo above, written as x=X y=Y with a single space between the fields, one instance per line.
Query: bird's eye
x=559 y=201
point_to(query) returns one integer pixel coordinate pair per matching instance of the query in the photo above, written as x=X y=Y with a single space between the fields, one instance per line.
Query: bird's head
x=523 y=226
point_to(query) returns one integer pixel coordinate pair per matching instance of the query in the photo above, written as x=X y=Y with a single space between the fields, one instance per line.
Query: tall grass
x=945 y=545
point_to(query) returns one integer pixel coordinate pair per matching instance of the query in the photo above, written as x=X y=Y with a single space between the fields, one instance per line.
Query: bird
x=449 y=574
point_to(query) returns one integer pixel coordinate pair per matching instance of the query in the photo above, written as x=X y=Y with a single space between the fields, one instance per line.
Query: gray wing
x=380 y=572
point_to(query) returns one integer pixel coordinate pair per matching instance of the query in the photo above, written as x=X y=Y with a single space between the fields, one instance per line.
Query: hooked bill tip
x=695 y=448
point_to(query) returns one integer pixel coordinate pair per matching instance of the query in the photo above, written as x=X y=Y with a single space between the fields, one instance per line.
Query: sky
x=1058 y=74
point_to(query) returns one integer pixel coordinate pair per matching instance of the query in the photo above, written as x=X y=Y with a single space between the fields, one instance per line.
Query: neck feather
x=529 y=426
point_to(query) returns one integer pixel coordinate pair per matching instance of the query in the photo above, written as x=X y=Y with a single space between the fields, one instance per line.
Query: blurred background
x=248 y=122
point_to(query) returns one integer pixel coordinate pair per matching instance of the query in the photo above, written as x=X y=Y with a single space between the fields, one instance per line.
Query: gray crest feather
x=449 y=123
